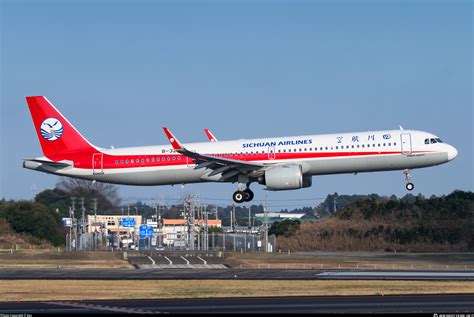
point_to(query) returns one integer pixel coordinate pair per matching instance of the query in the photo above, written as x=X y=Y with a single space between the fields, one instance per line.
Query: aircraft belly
x=338 y=165
x=376 y=163
x=157 y=177
x=140 y=177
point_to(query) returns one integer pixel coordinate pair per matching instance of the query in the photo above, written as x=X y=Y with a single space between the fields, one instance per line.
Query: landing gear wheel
x=239 y=197
x=248 y=194
x=408 y=179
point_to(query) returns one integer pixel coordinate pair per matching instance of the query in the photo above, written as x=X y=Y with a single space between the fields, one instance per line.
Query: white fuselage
x=317 y=154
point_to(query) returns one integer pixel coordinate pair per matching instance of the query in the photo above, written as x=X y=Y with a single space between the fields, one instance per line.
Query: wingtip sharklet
x=173 y=140
x=210 y=136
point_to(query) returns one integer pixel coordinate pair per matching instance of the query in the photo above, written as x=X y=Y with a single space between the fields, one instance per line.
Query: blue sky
x=120 y=70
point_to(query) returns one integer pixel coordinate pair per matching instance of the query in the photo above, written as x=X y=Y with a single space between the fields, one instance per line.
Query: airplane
x=279 y=163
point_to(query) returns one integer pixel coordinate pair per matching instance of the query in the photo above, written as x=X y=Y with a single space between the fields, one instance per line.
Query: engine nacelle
x=285 y=177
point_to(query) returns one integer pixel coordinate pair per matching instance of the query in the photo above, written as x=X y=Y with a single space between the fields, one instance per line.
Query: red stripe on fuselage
x=84 y=159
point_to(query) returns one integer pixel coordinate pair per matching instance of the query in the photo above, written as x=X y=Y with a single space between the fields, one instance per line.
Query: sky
x=121 y=70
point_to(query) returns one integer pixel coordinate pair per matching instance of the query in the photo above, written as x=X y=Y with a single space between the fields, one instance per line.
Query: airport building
x=126 y=230
x=175 y=231
x=114 y=224
x=281 y=216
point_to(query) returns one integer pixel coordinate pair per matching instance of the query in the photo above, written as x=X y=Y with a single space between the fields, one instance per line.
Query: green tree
x=285 y=227
x=35 y=219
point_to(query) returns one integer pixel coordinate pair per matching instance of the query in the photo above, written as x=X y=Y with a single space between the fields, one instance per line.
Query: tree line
x=379 y=223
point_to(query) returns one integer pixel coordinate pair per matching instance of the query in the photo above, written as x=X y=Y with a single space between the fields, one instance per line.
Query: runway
x=228 y=274
x=343 y=304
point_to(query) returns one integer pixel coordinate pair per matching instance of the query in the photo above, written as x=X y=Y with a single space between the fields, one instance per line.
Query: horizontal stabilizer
x=49 y=163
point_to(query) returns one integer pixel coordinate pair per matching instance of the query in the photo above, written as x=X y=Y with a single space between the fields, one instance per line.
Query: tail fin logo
x=51 y=129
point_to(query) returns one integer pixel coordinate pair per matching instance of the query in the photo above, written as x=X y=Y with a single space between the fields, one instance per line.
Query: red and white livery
x=280 y=163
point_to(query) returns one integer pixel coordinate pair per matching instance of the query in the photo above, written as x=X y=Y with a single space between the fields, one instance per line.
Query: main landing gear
x=243 y=195
x=409 y=185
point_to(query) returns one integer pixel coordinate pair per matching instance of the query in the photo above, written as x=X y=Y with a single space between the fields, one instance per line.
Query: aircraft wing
x=225 y=166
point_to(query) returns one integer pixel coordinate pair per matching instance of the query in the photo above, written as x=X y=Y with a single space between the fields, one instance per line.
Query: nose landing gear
x=408 y=178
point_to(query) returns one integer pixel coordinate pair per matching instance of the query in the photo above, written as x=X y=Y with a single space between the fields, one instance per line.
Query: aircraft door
x=405 y=139
x=97 y=163
x=189 y=161
x=271 y=152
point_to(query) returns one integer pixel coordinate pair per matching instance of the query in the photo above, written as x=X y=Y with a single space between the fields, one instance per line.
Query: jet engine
x=285 y=177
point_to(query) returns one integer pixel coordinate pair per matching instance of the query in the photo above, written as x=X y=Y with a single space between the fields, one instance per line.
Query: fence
x=88 y=242
x=25 y=246
x=241 y=242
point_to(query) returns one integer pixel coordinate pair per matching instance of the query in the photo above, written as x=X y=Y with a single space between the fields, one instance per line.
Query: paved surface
x=241 y=274
x=177 y=261
x=344 y=304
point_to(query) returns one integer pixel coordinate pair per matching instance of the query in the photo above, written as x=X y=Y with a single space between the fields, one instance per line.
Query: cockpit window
x=433 y=140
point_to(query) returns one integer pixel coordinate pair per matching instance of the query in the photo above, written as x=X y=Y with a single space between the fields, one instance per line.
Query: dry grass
x=38 y=290
x=9 y=238
x=353 y=260
x=48 y=259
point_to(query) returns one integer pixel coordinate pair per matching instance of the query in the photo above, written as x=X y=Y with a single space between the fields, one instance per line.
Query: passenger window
x=168 y=158
x=132 y=161
x=147 y=160
x=143 y=160
x=121 y=161
x=362 y=145
x=116 y=162
x=379 y=144
x=394 y=143
x=174 y=158
x=352 y=146
x=158 y=159
x=126 y=161
x=152 y=159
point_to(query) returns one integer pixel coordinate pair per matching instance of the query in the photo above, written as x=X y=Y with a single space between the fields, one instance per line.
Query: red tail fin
x=55 y=133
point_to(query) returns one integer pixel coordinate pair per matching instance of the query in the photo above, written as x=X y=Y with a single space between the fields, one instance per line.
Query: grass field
x=51 y=259
x=353 y=260
x=313 y=260
x=39 y=290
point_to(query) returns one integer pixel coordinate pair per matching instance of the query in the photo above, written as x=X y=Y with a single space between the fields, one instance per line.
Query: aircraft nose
x=452 y=152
